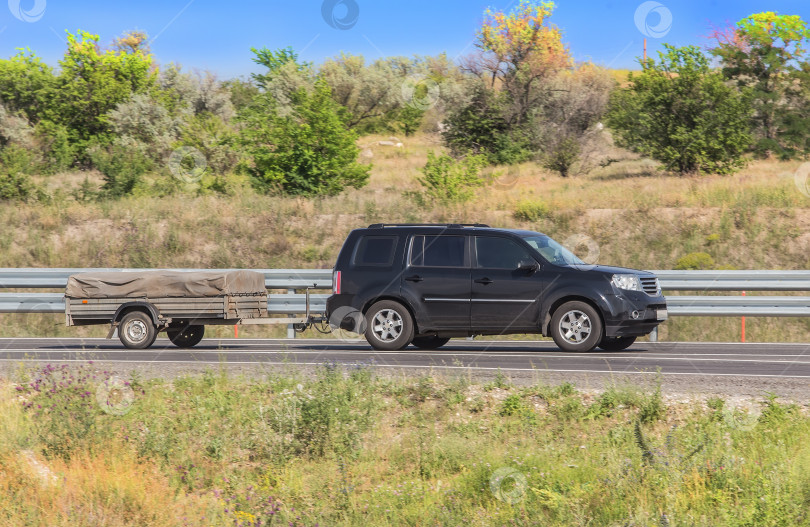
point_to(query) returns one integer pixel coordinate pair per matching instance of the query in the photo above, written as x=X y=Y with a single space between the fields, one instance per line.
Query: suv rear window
x=437 y=251
x=375 y=250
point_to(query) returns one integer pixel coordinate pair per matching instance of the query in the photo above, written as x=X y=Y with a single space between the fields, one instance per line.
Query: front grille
x=650 y=285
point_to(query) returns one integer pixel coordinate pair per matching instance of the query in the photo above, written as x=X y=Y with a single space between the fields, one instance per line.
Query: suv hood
x=610 y=270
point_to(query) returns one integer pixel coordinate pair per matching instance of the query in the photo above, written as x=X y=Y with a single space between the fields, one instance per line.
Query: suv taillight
x=336 y=283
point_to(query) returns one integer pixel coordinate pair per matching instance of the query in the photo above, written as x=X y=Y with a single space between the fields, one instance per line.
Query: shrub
x=447 y=180
x=144 y=124
x=15 y=183
x=512 y=405
x=123 y=169
x=696 y=261
x=530 y=211
x=214 y=139
x=651 y=407
x=16 y=186
x=58 y=153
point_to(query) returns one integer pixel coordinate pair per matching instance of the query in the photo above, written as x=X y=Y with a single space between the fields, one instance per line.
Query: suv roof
x=450 y=225
x=472 y=226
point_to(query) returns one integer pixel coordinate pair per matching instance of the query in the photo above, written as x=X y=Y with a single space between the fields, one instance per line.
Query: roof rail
x=449 y=225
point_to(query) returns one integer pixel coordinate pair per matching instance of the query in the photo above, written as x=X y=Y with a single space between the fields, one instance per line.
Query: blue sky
x=217 y=36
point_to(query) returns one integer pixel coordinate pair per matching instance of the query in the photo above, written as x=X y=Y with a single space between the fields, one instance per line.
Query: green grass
x=344 y=447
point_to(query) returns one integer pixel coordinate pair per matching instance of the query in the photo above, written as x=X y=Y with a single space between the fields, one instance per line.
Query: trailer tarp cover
x=163 y=284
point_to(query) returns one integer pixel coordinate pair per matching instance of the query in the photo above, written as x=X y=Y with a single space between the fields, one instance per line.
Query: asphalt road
x=675 y=359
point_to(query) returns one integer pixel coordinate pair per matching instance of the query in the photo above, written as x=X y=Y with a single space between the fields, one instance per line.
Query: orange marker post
x=235 y=331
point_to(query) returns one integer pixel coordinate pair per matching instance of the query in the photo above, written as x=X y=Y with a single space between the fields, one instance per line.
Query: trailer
x=139 y=305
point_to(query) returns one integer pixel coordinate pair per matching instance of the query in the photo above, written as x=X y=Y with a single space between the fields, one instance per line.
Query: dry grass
x=638 y=217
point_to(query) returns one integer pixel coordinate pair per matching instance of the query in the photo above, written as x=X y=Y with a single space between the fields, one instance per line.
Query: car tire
x=429 y=343
x=136 y=330
x=616 y=343
x=185 y=336
x=389 y=326
x=576 y=326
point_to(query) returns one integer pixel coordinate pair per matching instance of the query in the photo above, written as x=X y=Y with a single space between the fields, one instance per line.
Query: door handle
x=485 y=281
x=414 y=278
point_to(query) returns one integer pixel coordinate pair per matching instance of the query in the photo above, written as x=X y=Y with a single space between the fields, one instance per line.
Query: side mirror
x=528 y=267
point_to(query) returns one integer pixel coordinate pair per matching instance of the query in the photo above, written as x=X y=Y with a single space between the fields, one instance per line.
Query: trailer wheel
x=185 y=336
x=136 y=330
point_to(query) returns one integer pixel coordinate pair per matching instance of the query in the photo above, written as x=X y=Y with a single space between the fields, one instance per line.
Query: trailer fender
x=144 y=306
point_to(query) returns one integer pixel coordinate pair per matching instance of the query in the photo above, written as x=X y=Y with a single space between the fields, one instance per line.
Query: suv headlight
x=627 y=281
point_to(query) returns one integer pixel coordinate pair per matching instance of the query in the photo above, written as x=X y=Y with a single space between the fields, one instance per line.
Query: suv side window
x=499 y=253
x=437 y=251
x=375 y=251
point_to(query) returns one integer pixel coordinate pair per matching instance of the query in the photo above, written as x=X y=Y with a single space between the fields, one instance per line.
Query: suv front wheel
x=389 y=326
x=576 y=326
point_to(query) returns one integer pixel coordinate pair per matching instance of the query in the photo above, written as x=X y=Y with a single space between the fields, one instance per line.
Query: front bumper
x=633 y=313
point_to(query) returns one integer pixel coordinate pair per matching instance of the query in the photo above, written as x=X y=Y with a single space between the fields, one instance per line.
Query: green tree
x=681 y=113
x=92 y=82
x=305 y=150
x=762 y=54
x=27 y=85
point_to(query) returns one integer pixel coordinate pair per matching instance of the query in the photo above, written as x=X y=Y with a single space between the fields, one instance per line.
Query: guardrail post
x=654 y=335
x=290 y=328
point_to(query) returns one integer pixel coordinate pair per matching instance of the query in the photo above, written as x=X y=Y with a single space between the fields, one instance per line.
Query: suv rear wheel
x=576 y=326
x=389 y=326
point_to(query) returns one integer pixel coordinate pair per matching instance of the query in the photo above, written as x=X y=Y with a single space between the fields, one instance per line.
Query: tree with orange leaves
x=519 y=50
x=530 y=101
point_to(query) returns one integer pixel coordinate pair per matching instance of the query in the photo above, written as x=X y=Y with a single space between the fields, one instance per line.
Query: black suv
x=417 y=284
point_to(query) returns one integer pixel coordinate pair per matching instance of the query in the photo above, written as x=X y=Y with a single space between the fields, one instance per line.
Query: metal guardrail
x=734 y=280
x=296 y=279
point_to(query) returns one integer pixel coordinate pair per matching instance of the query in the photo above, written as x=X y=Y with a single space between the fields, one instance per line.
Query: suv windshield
x=552 y=251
